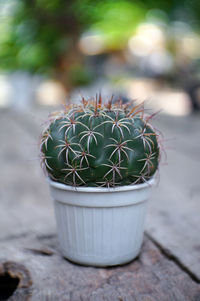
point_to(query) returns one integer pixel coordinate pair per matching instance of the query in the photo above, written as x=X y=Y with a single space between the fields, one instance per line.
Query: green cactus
x=95 y=144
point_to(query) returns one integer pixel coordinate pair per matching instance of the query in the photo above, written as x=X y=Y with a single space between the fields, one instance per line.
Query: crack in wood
x=17 y=236
x=46 y=236
x=43 y=251
x=173 y=258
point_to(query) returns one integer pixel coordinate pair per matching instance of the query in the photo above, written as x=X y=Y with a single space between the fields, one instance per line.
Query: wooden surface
x=174 y=215
x=169 y=264
x=152 y=277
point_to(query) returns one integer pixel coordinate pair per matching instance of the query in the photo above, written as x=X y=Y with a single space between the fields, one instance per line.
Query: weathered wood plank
x=173 y=218
x=152 y=277
x=25 y=204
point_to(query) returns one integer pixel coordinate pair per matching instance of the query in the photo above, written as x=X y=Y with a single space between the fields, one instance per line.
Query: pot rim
x=152 y=182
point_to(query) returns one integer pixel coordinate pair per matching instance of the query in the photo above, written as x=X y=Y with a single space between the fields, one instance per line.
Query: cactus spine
x=95 y=144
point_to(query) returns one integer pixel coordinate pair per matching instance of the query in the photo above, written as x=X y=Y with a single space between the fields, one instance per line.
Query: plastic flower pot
x=100 y=226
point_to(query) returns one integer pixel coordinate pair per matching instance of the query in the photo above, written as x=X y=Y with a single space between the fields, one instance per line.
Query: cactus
x=96 y=144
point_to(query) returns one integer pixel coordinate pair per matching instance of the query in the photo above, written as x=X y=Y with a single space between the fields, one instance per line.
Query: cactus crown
x=96 y=144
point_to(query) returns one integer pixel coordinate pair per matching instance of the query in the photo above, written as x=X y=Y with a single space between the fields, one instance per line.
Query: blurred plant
x=79 y=76
x=43 y=35
x=34 y=35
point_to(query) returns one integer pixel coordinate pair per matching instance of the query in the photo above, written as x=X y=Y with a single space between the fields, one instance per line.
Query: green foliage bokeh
x=35 y=35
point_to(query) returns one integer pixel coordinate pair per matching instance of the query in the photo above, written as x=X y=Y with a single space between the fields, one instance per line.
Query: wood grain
x=151 y=277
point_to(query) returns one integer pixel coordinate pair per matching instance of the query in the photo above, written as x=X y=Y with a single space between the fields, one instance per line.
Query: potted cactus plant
x=101 y=159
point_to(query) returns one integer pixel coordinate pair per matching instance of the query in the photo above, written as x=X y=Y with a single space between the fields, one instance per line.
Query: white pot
x=100 y=226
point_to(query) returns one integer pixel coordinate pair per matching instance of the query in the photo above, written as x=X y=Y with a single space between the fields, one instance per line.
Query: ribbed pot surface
x=100 y=226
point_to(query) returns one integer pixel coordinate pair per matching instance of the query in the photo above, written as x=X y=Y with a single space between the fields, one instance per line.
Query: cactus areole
x=94 y=144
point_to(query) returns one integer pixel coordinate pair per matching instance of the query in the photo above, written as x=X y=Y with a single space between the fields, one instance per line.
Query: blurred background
x=54 y=50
